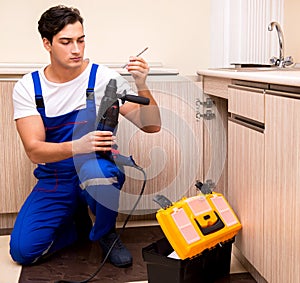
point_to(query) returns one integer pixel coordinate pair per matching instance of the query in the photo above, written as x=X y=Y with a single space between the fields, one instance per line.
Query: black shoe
x=83 y=223
x=119 y=255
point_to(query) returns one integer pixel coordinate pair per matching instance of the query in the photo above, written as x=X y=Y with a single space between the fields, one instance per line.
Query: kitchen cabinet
x=215 y=132
x=282 y=193
x=215 y=143
x=16 y=169
x=246 y=188
x=263 y=174
x=243 y=172
x=246 y=166
x=263 y=168
x=216 y=86
x=173 y=157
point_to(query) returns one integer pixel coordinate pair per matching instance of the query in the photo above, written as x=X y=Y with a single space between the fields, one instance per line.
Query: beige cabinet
x=263 y=178
x=263 y=174
x=246 y=164
x=215 y=143
x=15 y=167
x=282 y=193
x=215 y=123
x=246 y=188
x=173 y=157
x=247 y=102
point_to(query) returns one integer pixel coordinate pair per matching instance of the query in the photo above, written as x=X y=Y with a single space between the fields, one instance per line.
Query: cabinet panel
x=246 y=188
x=282 y=198
x=215 y=145
x=173 y=157
x=15 y=167
x=247 y=102
x=216 y=86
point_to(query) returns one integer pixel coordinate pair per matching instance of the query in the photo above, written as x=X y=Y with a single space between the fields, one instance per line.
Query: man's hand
x=139 y=70
x=146 y=117
x=93 y=141
x=32 y=133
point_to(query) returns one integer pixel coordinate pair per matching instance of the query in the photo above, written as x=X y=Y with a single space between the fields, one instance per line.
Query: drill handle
x=135 y=99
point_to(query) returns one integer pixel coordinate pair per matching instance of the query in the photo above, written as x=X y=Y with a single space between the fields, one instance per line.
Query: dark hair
x=55 y=19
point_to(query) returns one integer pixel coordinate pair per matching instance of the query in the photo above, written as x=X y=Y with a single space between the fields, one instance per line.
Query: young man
x=55 y=119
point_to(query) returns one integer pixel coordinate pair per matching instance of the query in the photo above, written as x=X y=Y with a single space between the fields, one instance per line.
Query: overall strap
x=91 y=83
x=38 y=89
x=39 y=101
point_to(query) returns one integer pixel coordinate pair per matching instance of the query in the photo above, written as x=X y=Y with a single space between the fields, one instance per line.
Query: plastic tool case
x=195 y=224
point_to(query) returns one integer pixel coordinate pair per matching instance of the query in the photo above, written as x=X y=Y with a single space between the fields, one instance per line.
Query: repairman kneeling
x=56 y=122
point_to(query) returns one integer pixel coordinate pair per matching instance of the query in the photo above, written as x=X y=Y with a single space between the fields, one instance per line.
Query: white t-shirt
x=62 y=98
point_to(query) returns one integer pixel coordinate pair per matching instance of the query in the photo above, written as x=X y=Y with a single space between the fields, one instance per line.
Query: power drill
x=108 y=118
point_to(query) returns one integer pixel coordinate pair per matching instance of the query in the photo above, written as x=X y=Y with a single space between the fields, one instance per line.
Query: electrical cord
x=118 y=236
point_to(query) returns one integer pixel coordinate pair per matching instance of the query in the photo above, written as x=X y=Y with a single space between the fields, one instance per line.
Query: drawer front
x=247 y=102
x=216 y=86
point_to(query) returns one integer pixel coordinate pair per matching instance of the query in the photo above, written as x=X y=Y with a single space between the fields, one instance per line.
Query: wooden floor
x=9 y=270
x=79 y=261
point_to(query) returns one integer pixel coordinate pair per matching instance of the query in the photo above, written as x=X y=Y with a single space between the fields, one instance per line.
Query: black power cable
x=118 y=236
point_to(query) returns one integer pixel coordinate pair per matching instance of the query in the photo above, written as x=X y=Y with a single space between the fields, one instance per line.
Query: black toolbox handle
x=213 y=228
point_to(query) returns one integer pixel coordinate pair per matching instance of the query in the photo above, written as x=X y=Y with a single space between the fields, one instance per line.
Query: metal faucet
x=281 y=61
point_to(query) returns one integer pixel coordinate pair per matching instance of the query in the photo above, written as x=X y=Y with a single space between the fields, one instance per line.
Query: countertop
x=19 y=69
x=287 y=76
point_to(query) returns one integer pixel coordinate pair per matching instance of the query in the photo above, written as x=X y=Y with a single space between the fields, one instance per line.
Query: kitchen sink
x=259 y=69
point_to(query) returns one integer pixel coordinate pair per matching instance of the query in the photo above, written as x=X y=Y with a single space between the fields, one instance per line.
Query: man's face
x=67 y=48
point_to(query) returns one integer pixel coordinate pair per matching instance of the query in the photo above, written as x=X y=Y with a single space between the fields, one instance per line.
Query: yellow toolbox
x=194 y=224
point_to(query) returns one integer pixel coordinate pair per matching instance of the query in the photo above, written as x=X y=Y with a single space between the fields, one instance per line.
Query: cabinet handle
x=248 y=85
x=282 y=93
x=251 y=124
x=247 y=88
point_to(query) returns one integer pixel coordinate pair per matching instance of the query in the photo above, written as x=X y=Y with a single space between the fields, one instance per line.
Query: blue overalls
x=45 y=222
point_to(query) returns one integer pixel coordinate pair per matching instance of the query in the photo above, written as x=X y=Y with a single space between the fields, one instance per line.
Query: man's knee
x=23 y=251
x=95 y=168
x=101 y=172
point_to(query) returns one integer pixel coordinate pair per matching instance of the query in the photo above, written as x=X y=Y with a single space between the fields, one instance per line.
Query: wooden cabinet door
x=246 y=188
x=215 y=132
x=282 y=197
x=172 y=158
x=17 y=179
x=215 y=144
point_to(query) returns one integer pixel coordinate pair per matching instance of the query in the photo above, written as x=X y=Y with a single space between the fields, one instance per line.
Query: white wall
x=291 y=29
x=176 y=32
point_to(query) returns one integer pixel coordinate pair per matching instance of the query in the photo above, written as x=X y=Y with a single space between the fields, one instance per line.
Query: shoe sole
x=123 y=265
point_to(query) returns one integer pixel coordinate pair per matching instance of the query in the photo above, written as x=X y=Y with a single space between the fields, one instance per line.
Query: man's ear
x=47 y=44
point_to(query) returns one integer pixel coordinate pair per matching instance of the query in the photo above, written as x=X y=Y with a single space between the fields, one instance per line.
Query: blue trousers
x=46 y=223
